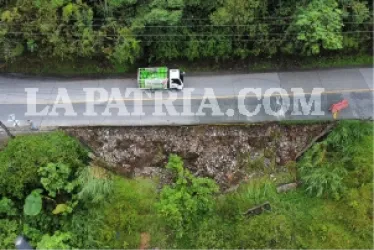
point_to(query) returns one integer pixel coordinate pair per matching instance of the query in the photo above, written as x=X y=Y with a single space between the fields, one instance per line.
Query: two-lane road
x=355 y=85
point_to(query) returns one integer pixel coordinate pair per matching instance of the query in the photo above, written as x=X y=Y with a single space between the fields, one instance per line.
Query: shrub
x=24 y=155
x=56 y=241
x=7 y=207
x=343 y=160
x=186 y=202
x=8 y=233
x=57 y=178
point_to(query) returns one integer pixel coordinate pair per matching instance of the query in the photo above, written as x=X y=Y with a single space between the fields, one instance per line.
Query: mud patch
x=145 y=238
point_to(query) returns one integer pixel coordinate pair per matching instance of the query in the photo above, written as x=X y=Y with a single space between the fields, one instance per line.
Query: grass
x=338 y=61
x=95 y=66
x=297 y=219
x=126 y=213
x=49 y=66
x=302 y=122
x=315 y=62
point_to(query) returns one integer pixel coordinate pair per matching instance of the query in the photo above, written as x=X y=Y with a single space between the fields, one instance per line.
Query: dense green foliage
x=187 y=202
x=42 y=178
x=339 y=162
x=124 y=31
x=23 y=157
x=31 y=65
x=88 y=207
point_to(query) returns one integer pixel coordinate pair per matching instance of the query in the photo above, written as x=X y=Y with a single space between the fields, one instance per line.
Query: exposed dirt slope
x=226 y=153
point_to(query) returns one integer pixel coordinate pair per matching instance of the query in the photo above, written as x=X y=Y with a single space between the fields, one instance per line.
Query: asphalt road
x=355 y=85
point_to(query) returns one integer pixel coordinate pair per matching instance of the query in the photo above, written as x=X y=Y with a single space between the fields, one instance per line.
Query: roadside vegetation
x=103 y=67
x=57 y=198
x=115 y=36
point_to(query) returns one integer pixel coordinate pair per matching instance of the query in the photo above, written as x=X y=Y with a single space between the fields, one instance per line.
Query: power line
x=204 y=40
x=168 y=26
x=152 y=26
x=182 y=35
x=183 y=19
x=193 y=41
x=269 y=17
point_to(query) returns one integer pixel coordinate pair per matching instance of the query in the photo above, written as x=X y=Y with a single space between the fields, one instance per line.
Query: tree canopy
x=125 y=30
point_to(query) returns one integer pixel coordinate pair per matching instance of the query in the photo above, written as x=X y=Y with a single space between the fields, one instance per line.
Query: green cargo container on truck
x=160 y=78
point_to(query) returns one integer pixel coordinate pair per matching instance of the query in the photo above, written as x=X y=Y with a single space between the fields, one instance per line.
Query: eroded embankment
x=228 y=154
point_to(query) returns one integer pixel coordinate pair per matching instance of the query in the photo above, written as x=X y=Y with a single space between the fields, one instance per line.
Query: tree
x=126 y=48
x=317 y=26
x=357 y=17
x=248 y=32
x=127 y=32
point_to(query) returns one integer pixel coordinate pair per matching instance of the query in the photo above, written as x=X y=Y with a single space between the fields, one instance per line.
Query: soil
x=145 y=238
x=228 y=154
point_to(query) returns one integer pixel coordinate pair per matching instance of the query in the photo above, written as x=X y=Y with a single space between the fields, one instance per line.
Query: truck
x=160 y=78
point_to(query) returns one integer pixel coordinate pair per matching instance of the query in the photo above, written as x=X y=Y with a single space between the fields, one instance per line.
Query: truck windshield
x=176 y=81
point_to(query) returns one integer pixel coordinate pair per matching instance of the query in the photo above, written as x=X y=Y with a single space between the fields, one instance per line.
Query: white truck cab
x=176 y=79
